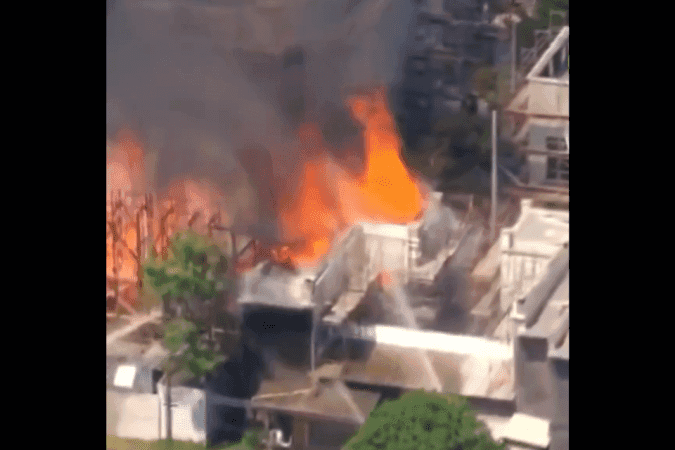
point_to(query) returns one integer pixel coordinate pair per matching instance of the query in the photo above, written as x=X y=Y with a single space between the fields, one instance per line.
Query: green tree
x=193 y=285
x=425 y=421
x=192 y=281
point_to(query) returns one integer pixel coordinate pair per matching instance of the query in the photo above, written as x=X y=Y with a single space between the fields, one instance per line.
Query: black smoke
x=209 y=87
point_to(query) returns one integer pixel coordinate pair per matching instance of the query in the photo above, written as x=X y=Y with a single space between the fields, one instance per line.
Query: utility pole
x=312 y=343
x=514 y=20
x=513 y=54
x=493 y=203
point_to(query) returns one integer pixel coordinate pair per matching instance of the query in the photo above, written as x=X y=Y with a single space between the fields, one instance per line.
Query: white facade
x=527 y=248
x=188 y=415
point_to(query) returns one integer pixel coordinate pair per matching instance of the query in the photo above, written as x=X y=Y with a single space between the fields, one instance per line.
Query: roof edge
x=536 y=300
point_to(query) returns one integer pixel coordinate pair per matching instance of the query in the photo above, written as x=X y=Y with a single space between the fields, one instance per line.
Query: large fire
x=330 y=199
x=125 y=173
x=326 y=200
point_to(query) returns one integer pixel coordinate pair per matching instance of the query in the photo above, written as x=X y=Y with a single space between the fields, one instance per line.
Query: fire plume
x=329 y=198
x=326 y=199
x=125 y=174
x=125 y=165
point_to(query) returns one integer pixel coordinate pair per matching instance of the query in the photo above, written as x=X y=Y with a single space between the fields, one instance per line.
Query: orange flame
x=192 y=197
x=329 y=199
x=125 y=167
x=388 y=193
x=125 y=173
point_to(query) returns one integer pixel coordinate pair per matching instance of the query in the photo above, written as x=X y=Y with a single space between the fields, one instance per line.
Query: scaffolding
x=153 y=229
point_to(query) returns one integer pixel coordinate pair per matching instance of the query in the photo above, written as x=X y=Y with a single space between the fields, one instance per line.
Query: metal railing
x=530 y=56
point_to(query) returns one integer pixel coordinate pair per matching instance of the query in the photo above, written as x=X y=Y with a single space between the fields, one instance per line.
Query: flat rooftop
x=538 y=231
x=464 y=367
x=271 y=285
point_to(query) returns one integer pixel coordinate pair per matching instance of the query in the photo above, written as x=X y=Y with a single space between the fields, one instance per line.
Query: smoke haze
x=203 y=86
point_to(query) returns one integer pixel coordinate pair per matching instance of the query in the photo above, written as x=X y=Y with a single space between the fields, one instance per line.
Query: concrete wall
x=548 y=99
x=527 y=248
x=538 y=134
x=519 y=274
x=536 y=167
x=535 y=387
x=332 y=281
x=132 y=415
x=356 y=258
x=385 y=254
x=561 y=415
x=188 y=417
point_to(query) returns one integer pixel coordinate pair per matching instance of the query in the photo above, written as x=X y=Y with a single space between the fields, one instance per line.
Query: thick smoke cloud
x=175 y=77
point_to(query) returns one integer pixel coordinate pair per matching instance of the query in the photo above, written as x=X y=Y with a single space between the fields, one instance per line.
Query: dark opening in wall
x=534 y=349
x=156 y=376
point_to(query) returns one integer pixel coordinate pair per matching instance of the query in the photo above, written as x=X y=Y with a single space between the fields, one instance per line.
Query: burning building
x=374 y=274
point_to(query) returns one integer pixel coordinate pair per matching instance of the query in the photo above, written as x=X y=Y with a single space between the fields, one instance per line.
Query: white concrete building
x=540 y=116
x=526 y=250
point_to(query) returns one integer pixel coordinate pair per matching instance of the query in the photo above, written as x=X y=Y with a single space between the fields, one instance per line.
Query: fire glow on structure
x=328 y=200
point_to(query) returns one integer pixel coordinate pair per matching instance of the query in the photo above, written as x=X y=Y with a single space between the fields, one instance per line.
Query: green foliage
x=195 y=273
x=546 y=6
x=251 y=439
x=541 y=21
x=485 y=81
x=426 y=421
